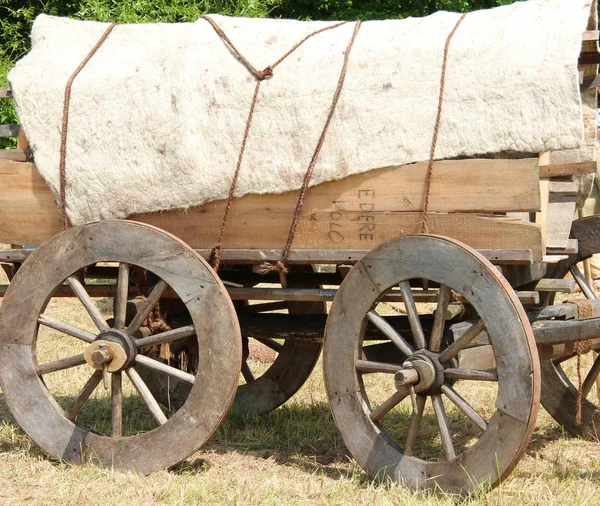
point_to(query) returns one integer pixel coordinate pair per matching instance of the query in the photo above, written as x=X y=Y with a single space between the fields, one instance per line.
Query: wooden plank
x=341 y=215
x=558 y=332
x=462 y=186
x=16 y=155
x=562 y=200
x=567 y=169
x=501 y=257
x=555 y=285
x=589 y=82
x=5 y=92
x=22 y=142
x=590 y=35
x=541 y=217
x=9 y=130
x=590 y=58
x=572 y=246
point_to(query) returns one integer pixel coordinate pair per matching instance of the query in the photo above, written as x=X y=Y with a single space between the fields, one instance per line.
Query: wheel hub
x=113 y=350
x=423 y=371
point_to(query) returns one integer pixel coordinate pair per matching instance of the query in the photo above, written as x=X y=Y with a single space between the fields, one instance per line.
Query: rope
x=423 y=226
x=281 y=263
x=585 y=309
x=65 y=125
x=259 y=76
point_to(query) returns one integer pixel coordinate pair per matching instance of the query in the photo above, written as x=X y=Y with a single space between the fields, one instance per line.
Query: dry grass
x=293 y=455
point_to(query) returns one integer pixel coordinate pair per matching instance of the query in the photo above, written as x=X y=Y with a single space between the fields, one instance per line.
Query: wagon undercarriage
x=454 y=320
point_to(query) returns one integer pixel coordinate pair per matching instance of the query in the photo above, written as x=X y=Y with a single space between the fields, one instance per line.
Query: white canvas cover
x=158 y=114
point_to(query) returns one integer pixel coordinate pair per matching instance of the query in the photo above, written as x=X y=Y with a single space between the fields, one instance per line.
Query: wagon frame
x=508 y=330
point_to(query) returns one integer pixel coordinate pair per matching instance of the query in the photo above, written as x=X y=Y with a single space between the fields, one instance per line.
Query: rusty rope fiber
x=424 y=229
x=259 y=76
x=585 y=309
x=281 y=263
x=65 y=125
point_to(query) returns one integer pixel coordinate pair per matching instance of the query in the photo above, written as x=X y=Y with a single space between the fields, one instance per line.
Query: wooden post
x=541 y=217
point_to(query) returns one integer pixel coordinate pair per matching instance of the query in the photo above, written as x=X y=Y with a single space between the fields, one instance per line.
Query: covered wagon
x=221 y=181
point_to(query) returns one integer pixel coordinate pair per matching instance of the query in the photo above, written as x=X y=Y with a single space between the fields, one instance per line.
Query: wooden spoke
x=366 y=366
x=144 y=311
x=87 y=302
x=464 y=406
x=59 y=365
x=381 y=410
x=120 y=300
x=581 y=281
x=116 y=399
x=166 y=337
x=564 y=358
x=65 y=328
x=471 y=374
x=84 y=395
x=437 y=331
x=591 y=377
x=155 y=365
x=146 y=395
x=452 y=350
x=413 y=427
x=388 y=331
x=413 y=315
x=271 y=343
x=247 y=373
x=442 y=420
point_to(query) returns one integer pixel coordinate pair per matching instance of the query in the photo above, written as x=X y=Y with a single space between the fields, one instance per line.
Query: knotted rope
x=281 y=263
x=424 y=229
x=259 y=76
x=65 y=126
x=585 y=309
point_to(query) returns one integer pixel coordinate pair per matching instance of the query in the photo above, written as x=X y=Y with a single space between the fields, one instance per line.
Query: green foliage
x=376 y=9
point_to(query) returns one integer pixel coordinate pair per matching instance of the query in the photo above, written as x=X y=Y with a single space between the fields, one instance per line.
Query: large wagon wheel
x=559 y=393
x=291 y=367
x=453 y=448
x=264 y=386
x=113 y=350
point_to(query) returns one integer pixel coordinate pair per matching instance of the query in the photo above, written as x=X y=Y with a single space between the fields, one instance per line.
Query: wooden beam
x=5 y=92
x=557 y=332
x=555 y=285
x=589 y=82
x=16 y=155
x=572 y=246
x=9 y=130
x=567 y=169
x=589 y=58
x=256 y=256
x=289 y=294
x=356 y=213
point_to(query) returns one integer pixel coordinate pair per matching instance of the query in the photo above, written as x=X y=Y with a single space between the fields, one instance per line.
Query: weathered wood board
x=357 y=212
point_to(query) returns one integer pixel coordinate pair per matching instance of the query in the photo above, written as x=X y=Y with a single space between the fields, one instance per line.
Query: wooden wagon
x=421 y=314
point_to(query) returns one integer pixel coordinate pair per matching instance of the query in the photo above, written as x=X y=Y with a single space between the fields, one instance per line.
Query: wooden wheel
x=110 y=427
x=265 y=390
x=273 y=370
x=460 y=441
x=559 y=376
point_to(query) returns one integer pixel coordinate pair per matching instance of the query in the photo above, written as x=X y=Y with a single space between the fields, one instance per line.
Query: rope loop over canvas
x=260 y=76
x=65 y=125
x=423 y=228
x=281 y=264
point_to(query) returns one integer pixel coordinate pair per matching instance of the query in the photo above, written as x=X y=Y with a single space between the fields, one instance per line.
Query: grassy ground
x=294 y=455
